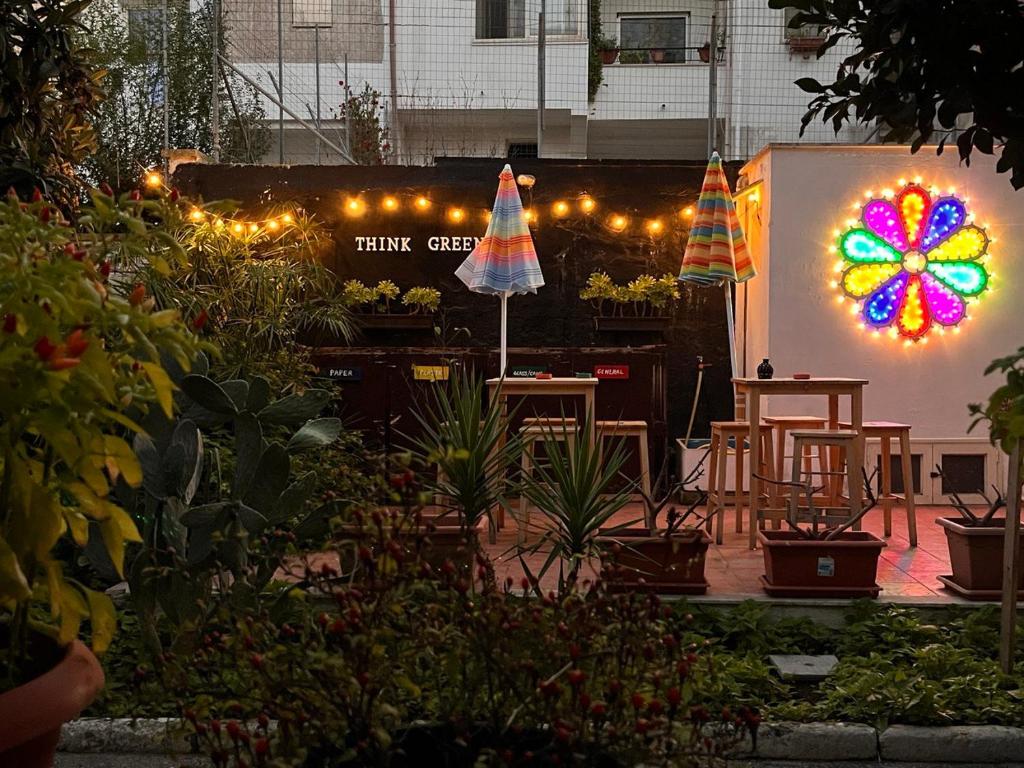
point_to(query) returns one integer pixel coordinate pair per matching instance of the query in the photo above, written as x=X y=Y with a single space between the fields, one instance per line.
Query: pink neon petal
x=947 y=308
x=882 y=218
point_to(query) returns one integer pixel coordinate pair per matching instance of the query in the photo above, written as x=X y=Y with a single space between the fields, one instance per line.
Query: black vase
x=765 y=370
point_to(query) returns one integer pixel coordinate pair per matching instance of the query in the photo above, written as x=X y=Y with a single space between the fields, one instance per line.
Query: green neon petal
x=965 y=277
x=863 y=247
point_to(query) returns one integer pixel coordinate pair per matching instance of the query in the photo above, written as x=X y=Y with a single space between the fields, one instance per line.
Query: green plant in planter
x=662 y=292
x=1004 y=411
x=574 y=492
x=203 y=525
x=637 y=292
x=599 y=290
x=356 y=295
x=422 y=299
x=386 y=292
x=79 y=362
x=467 y=443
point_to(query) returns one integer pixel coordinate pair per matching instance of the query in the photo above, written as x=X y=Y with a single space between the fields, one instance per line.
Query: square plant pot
x=843 y=567
x=395 y=322
x=634 y=561
x=976 y=558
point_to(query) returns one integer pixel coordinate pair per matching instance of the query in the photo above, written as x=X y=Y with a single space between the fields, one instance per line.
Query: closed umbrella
x=505 y=261
x=716 y=252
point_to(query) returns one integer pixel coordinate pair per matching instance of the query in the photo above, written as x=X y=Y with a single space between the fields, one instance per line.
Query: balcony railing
x=654 y=55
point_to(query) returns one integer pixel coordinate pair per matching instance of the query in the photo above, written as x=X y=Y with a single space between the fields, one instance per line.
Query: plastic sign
x=525 y=371
x=913 y=262
x=611 y=371
x=430 y=372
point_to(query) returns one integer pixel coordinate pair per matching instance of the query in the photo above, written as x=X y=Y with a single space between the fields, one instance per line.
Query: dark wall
x=569 y=250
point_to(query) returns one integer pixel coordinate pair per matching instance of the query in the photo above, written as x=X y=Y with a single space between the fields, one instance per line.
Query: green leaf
x=809 y=85
x=208 y=394
x=248 y=450
x=163 y=386
x=295 y=409
x=13 y=584
x=270 y=479
x=315 y=434
x=102 y=618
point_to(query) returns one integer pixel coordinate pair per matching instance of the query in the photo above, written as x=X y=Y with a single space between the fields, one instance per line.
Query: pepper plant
x=78 y=362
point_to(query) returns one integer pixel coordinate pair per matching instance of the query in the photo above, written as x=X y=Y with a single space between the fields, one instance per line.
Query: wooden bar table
x=553 y=387
x=833 y=389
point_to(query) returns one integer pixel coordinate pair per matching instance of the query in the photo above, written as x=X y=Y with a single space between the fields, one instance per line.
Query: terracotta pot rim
x=954 y=525
x=864 y=539
x=45 y=703
x=642 y=537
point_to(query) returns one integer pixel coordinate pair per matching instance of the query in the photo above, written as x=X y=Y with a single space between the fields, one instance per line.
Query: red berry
x=200 y=320
x=234 y=731
x=256 y=660
x=261 y=747
x=76 y=343
x=44 y=348
x=137 y=295
x=37 y=196
x=10 y=323
x=638 y=700
x=599 y=709
x=106 y=189
x=135 y=195
x=63 y=363
x=174 y=195
x=105 y=268
x=674 y=696
x=576 y=677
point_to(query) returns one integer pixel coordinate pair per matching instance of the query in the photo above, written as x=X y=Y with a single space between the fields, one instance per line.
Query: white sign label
x=826 y=566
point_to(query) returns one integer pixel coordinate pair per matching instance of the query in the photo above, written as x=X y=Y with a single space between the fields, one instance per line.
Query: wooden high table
x=833 y=388
x=554 y=387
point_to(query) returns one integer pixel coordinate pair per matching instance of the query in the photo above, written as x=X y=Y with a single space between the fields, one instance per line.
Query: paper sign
x=826 y=566
x=611 y=371
x=351 y=373
x=525 y=371
x=430 y=372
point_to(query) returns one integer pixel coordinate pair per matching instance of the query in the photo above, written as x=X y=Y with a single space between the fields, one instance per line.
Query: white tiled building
x=465 y=75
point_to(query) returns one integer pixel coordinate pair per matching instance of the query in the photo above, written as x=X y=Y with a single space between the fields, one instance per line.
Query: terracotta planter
x=797 y=567
x=445 y=542
x=705 y=53
x=395 y=322
x=673 y=565
x=632 y=324
x=976 y=557
x=657 y=55
x=609 y=55
x=31 y=715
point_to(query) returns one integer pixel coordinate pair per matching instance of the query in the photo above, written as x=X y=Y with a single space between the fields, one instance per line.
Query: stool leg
x=907 y=465
x=645 y=468
x=850 y=480
x=887 y=485
x=739 y=485
x=780 y=461
x=723 y=452
x=794 y=491
x=712 y=481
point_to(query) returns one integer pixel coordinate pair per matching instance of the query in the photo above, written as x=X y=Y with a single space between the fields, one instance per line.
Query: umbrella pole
x=731 y=323
x=504 y=335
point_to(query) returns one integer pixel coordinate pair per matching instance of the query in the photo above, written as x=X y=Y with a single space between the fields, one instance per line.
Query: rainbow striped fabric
x=716 y=250
x=505 y=261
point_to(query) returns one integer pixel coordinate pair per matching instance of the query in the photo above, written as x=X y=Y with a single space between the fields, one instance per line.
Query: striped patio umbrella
x=505 y=261
x=716 y=252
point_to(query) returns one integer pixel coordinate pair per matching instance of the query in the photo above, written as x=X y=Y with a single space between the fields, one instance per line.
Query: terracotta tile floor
x=732 y=569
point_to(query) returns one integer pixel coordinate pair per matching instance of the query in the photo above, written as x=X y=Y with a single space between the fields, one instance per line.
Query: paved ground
x=733 y=569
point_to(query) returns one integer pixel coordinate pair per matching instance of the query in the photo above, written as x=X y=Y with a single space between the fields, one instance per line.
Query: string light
x=617 y=222
x=196 y=215
x=287 y=218
x=456 y=215
x=560 y=209
x=530 y=215
x=687 y=212
x=916 y=261
x=272 y=225
x=655 y=227
x=390 y=203
x=238 y=228
x=422 y=203
x=587 y=204
x=355 y=207
x=254 y=228
x=153 y=179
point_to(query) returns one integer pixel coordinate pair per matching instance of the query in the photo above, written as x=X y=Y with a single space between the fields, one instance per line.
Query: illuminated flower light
x=913 y=260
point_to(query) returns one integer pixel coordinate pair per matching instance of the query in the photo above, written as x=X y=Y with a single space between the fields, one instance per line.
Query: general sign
x=611 y=371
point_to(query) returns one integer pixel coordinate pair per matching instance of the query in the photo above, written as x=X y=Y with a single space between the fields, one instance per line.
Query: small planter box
x=632 y=324
x=673 y=565
x=395 y=322
x=976 y=558
x=798 y=567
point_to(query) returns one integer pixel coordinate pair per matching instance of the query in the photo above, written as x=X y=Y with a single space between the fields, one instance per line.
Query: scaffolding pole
x=215 y=81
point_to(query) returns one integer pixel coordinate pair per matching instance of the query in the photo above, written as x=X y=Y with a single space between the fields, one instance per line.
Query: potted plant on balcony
x=79 y=362
x=374 y=311
x=642 y=305
x=820 y=558
x=668 y=561
x=607 y=48
x=657 y=55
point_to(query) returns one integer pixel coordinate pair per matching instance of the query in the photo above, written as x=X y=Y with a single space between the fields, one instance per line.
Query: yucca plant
x=574 y=490
x=467 y=442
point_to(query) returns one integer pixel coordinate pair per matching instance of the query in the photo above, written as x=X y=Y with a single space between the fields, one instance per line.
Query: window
x=807 y=30
x=498 y=19
x=652 y=38
x=311 y=13
x=521 y=149
x=144 y=26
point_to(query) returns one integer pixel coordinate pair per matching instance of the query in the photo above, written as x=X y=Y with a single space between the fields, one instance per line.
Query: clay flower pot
x=976 y=557
x=843 y=567
x=609 y=55
x=32 y=714
x=671 y=565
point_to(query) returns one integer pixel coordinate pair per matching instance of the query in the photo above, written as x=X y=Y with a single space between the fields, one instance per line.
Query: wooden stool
x=721 y=433
x=886 y=432
x=561 y=431
x=627 y=429
x=841 y=439
x=780 y=426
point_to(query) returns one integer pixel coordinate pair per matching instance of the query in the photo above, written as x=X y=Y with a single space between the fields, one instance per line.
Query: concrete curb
x=161 y=740
x=953 y=744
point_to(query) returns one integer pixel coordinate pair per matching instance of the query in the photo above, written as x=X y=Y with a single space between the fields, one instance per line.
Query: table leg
x=754 y=420
x=857 y=460
x=833 y=483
